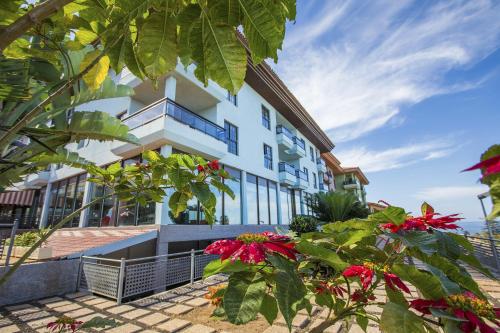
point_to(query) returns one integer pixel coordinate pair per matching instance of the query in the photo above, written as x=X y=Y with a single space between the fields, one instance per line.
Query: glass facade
x=231 y=132
x=273 y=202
x=268 y=157
x=66 y=196
x=232 y=208
x=252 y=200
x=262 y=200
x=286 y=205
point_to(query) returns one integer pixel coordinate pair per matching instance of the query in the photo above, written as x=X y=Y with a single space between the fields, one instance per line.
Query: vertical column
x=86 y=199
x=278 y=202
x=161 y=209
x=170 y=87
x=45 y=208
x=244 y=203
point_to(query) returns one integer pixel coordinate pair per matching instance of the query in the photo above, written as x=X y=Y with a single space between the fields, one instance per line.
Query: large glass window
x=297 y=202
x=286 y=205
x=231 y=137
x=273 y=203
x=311 y=153
x=232 y=208
x=268 y=157
x=315 y=180
x=95 y=211
x=66 y=196
x=263 y=202
x=252 y=200
x=266 y=120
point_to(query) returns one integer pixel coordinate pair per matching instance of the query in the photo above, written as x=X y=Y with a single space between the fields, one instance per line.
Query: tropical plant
x=56 y=55
x=340 y=267
x=188 y=176
x=28 y=238
x=338 y=206
x=302 y=223
x=68 y=324
x=490 y=170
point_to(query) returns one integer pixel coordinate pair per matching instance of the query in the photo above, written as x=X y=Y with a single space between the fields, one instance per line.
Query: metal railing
x=119 y=279
x=285 y=167
x=350 y=182
x=170 y=108
x=299 y=142
x=486 y=249
x=280 y=129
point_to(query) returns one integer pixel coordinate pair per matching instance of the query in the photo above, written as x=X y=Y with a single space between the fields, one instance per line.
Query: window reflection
x=273 y=204
x=263 y=202
x=252 y=199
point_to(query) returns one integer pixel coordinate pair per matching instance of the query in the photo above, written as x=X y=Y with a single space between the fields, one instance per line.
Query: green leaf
x=227 y=266
x=178 y=203
x=396 y=318
x=157 y=44
x=243 y=297
x=362 y=322
x=290 y=290
x=392 y=214
x=222 y=187
x=443 y=314
x=429 y=285
x=322 y=254
x=269 y=308
x=99 y=322
x=218 y=53
x=95 y=76
x=396 y=296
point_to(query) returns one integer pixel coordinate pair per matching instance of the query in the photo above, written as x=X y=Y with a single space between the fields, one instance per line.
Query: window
x=268 y=157
x=273 y=202
x=81 y=144
x=266 y=121
x=66 y=196
x=263 y=201
x=286 y=205
x=315 y=181
x=121 y=115
x=232 y=98
x=311 y=154
x=231 y=137
x=252 y=200
x=307 y=173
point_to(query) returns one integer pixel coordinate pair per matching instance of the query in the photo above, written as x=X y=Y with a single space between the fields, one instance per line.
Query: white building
x=262 y=136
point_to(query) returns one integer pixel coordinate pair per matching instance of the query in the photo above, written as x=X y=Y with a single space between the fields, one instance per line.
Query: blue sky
x=407 y=90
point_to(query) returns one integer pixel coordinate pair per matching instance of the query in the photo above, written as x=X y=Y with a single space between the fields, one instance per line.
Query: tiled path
x=177 y=310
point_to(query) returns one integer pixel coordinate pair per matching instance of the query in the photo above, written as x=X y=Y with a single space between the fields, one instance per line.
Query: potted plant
x=24 y=241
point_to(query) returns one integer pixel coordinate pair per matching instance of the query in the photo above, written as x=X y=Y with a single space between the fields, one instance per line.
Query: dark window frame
x=266 y=117
x=311 y=152
x=233 y=99
x=228 y=126
x=268 y=157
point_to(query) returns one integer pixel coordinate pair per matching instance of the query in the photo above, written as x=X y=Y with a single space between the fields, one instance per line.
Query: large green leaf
x=321 y=253
x=426 y=283
x=217 y=51
x=269 y=308
x=98 y=72
x=392 y=214
x=243 y=297
x=396 y=318
x=157 y=44
x=227 y=266
x=290 y=290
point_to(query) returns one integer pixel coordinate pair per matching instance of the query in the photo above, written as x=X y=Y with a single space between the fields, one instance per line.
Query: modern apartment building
x=262 y=136
x=345 y=179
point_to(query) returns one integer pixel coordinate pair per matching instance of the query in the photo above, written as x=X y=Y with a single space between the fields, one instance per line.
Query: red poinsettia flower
x=200 y=168
x=214 y=165
x=252 y=248
x=429 y=219
x=64 y=323
x=364 y=272
x=393 y=281
x=324 y=287
x=489 y=166
x=465 y=306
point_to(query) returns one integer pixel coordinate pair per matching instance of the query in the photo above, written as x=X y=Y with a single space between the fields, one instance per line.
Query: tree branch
x=20 y=26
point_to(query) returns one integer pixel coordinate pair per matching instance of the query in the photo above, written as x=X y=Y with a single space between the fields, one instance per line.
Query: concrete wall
x=39 y=280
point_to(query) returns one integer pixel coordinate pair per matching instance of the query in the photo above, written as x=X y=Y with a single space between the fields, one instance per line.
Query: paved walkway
x=181 y=310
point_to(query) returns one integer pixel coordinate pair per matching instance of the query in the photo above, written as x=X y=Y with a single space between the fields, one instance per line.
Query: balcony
x=287 y=174
x=284 y=137
x=39 y=179
x=350 y=184
x=302 y=181
x=323 y=188
x=290 y=146
x=321 y=165
x=166 y=122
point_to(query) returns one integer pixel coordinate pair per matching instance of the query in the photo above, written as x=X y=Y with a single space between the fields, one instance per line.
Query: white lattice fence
x=145 y=277
x=200 y=262
x=100 y=279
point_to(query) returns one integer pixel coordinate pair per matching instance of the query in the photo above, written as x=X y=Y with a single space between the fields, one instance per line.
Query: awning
x=19 y=198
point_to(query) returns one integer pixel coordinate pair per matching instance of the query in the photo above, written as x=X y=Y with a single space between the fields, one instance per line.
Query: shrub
x=29 y=238
x=303 y=223
x=337 y=206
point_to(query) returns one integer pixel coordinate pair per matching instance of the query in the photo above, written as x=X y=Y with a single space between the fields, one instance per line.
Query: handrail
x=350 y=182
x=285 y=167
x=302 y=175
x=280 y=129
x=127 y=261
x=299 y=142
x=320 y=161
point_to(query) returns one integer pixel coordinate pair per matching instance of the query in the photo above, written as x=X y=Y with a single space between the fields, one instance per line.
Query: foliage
x=56 y=55
x=338 y=206
x=302 y=223
x=490 y=169
x=184 y=176
x=28 y=238
x=68 y=324
x=340 y=267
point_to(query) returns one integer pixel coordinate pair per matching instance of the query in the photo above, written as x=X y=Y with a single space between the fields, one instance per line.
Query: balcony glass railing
x=179 y=113
x=302 y=175
x=280 y=129
x=299 y=142
x=285 y=167
x=350 y=182
x=320 y=161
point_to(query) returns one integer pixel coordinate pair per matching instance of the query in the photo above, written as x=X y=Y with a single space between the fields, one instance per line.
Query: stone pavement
x=181 y=310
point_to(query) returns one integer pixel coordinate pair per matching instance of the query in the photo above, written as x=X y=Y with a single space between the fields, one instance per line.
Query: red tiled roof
x=75 y=240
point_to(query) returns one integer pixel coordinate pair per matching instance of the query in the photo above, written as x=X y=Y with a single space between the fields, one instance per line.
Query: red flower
x=64 y=323
x=214 y=165
x=393 y=281
x=429 y=219
x=252 y=248
x=490 y=166
x=465 y=306
x=324 y=287
x=364 y=272
x=361 y=297
x=200 y=168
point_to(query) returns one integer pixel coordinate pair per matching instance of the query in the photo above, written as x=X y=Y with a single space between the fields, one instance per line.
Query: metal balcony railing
x=280 y=129
x=181 y=114
x=350 y=182
x=302 y=175
x=285 y=167
x=299 y=142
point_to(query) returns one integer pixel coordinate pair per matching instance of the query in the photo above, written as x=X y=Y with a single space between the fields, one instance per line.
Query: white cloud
x=450 y=192
x=356 y=65
x=394 y=158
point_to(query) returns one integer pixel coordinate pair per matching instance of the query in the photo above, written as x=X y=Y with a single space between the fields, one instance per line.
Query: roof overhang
x=332 y=163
